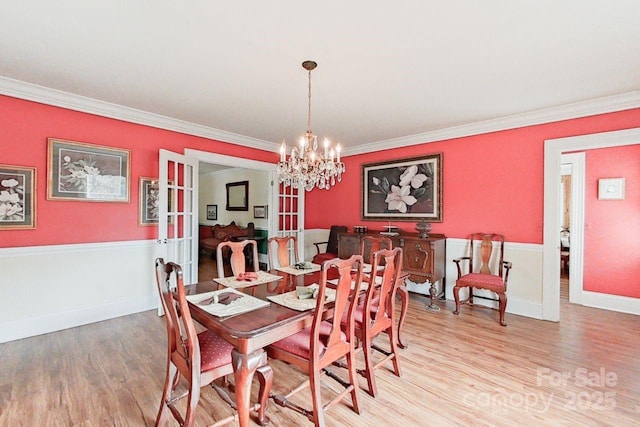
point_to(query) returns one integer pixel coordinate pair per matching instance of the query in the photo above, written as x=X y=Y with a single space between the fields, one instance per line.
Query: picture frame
x=611 y=189
x=260 y=211
x=17 y=197
x=87 y=172
x=148 y=198
x=238 y=196
x=403 y=190
x=212 y=212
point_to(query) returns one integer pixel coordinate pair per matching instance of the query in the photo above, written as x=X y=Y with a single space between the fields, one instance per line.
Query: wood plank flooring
x=458 y=371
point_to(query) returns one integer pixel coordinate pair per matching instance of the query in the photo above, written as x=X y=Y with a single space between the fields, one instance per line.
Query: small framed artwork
x=212 y=212
x=611 y=189
x=260 y=211
x=87 y=172
x=403 y=190
x=149 y=208
x=17 y=197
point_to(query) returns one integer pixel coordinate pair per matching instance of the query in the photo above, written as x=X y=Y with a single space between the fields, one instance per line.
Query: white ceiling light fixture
x=305 y=168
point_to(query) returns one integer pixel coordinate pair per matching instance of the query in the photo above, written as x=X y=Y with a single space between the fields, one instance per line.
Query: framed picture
x=86 y=172
x=238 y=196
x=260 y=211
x=17 y=197
x=403 y=190
x=611 y=189
x=212 y=212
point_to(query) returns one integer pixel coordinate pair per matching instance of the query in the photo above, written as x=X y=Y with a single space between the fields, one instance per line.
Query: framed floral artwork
x=403 y=190
x=17 y=197
x=87 y=172
x=149 y=208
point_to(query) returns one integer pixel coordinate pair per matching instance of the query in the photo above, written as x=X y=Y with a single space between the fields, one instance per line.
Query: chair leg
x=163 y=413
x=265 y=378
x=394 y=350
x=353 y=379
x=503 y=305
x=456 y=297
x=318 y=411
x=192 y=403
x=368 y=365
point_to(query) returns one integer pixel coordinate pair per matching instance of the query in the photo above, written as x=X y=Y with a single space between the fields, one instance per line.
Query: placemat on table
x=231 y=302
x=233 y=282
x=291 y=300
x=299 y=271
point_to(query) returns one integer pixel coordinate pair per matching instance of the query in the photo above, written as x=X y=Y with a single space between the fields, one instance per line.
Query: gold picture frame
x=86 y=172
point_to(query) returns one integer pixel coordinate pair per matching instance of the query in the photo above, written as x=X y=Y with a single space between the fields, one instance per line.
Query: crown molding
x=609 y=104
x=58 y=98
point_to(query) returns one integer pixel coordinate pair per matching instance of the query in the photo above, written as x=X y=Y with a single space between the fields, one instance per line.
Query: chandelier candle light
x=305 y=168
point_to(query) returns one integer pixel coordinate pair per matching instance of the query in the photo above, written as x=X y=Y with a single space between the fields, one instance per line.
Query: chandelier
x=306 y=168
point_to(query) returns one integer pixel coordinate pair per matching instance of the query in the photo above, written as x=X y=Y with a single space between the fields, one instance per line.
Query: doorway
x=553 y=152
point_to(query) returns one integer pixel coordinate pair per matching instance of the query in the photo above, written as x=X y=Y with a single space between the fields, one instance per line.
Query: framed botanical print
x=212 y=212
x=17 y=197
x=403 y=190
x=86 y=172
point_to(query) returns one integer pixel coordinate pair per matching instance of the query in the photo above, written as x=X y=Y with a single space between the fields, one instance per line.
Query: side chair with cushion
x=377 y=314
x=330 y=246
x=317 y=347
x=490 y=252
x=198 y=359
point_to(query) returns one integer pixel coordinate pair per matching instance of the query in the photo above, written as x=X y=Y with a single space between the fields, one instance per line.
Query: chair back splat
x=238 y=256
x=490 y=254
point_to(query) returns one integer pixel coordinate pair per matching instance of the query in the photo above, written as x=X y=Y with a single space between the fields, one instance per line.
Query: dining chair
x=376 y=314
x=198 y=359
x=490 y=253
x=238 y=258
x=282 y=252
x=330 y=246
x=315 y=348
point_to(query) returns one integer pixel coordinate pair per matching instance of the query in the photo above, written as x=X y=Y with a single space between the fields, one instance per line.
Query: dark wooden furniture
x=331 y=248
x=249 y=333
x=423 y=258
x=211 y=236
x=491 y=250
x=198 y=359
x=317 y=347
x=377 y=314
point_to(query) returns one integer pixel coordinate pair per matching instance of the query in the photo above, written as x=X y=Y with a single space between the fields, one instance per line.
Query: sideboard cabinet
x=423 y=258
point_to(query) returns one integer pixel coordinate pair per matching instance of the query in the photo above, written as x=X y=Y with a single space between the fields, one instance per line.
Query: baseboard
x=611 y=302
x=57 y=321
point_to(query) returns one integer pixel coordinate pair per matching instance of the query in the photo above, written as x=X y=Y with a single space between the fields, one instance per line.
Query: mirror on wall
x=238 y=196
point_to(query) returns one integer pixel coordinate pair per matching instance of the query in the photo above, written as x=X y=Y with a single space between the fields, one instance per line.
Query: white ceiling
x=386 y=70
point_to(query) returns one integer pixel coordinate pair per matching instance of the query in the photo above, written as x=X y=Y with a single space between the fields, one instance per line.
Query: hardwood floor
x=458 y=370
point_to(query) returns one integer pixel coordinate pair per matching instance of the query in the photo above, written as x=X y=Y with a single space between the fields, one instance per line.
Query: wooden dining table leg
x=244 y=366
x=404 y=297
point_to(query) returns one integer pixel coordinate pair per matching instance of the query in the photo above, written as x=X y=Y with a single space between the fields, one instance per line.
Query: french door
x=290 y=213
x=178 y=212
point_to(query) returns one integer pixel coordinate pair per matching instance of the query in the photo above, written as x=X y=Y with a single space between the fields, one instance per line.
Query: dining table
x=251 y=331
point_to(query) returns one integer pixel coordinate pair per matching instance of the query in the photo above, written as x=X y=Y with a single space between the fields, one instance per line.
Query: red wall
x=612 y=227
x=24 y=129
x=492 y=182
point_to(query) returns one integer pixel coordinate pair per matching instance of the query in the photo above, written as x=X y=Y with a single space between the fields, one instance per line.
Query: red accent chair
x=491 y=251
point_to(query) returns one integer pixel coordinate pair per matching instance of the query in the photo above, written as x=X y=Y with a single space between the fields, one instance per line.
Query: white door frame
x=553 y=149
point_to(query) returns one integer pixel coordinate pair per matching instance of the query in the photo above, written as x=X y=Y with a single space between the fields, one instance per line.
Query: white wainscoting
x=525 y=279
x=49 y=288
